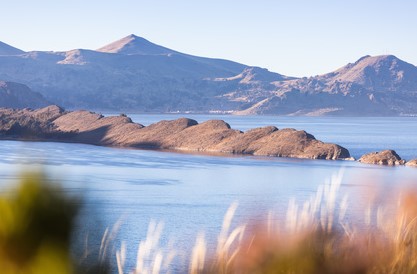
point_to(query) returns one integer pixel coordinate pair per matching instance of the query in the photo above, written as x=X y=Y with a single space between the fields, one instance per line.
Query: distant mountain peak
x=362 y=58
x=367 y=62
x=6 y=49
x=134 y=74
x=133 y=36
x=377 y=58
x=381 y=73
x=133 y=44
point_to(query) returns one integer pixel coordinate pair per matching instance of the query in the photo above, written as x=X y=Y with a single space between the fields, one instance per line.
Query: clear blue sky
x=294 y=37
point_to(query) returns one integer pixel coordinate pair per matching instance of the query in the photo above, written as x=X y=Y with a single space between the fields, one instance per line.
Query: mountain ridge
x=381 y=65
x=134 y=74
x=6 y=49
x=376 y=85
x=133 y=44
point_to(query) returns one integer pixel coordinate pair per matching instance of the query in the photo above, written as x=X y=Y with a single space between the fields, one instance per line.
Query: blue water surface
x=191 y=193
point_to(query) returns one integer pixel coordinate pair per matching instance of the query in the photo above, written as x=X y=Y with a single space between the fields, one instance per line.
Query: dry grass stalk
x=316 y=237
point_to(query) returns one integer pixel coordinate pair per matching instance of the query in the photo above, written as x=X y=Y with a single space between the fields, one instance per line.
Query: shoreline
x=183 y=135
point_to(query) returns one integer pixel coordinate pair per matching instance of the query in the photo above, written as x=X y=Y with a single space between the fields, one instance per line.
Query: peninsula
x=53 y=123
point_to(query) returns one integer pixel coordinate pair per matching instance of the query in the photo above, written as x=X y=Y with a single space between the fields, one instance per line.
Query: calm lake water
x=191 y=193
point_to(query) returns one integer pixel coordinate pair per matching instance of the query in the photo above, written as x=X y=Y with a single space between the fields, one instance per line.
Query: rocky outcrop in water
x=412 y=163
x=30 y=124
x=385 y=157
x=54 y=124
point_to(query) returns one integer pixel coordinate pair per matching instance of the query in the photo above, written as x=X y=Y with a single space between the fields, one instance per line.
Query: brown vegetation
x=316 y=237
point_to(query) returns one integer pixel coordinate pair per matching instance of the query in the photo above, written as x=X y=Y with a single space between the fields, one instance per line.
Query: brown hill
x=183 y=134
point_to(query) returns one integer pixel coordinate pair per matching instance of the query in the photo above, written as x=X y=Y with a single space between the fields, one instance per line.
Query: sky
x=294 y=38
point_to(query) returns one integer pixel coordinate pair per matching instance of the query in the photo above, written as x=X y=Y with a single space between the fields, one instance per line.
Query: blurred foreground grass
x=36 y=222
x=314 y=237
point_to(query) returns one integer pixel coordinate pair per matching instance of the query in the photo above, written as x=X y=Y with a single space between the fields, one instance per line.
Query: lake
x=191 y=193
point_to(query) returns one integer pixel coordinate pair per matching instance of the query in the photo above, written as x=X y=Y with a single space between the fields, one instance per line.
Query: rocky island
x=53 y=123
x=385 y=157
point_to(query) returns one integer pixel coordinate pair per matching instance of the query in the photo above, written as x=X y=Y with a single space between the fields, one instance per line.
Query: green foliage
x=36 y=220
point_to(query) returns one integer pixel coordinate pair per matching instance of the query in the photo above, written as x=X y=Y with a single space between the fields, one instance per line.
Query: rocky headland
x=53 y=123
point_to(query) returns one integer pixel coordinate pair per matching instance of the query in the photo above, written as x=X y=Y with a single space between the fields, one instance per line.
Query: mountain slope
x=15 y=95
x=377 y=73
x=131 y=74
x=134 y=74
x=378 y=85
x=6 y=49
x=133 y=44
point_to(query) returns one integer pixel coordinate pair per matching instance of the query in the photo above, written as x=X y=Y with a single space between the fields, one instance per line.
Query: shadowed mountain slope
x=6 y=49
x=15 y=95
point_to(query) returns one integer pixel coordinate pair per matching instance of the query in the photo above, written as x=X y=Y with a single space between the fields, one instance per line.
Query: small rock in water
x=385 y=157
x=412 y=163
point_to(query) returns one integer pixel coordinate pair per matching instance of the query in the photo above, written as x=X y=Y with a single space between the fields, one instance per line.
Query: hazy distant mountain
x=133 y=74
x=378 y=73
x=379 y=85
x=14 y=95
x=5 y=49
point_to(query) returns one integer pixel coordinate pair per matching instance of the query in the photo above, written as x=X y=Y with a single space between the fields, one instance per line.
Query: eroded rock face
x=385 y=157
x=30 y=124
x=181 y=134
x=155 y=136
x=93 y=128
x=201 y=137
x=240 y=143
x=412 y=163
x=296 y=144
